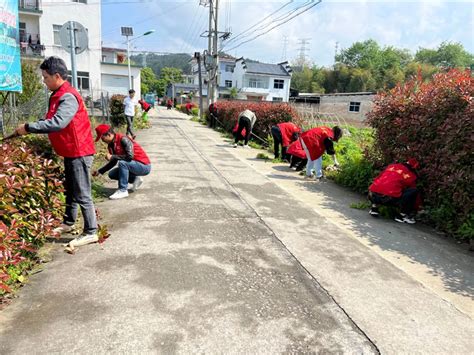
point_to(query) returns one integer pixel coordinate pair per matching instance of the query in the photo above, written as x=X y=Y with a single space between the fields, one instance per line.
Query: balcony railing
x=29 y=5
x=30 y=44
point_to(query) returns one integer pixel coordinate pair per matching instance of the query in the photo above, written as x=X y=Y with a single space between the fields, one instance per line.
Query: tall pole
x=210 y=90
x=198 y=57
x=128 y=61
x=215 y=53
x=72 y=39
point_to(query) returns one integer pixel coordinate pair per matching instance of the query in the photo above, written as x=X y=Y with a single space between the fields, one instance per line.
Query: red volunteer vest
x=314 y=140
x=393 y=180
x=287 y=130
x=75 y=140
x=235 y=129
x=138 y=152
x=296 y=149
x=145 y=105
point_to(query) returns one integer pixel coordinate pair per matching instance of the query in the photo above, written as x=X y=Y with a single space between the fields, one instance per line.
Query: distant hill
x=157 y=62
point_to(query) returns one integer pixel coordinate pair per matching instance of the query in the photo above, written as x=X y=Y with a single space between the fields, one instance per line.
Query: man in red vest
x=69 y=130
x=283 y=134
x=145 y=108
x=129 y=155
x=396 y=186
x=315 y=142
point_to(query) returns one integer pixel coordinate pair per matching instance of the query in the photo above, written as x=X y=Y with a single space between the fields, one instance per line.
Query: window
x=82 y=79
x=354 y=106
x=278 y=99
x=229 y=68
x=228 y=83
x=57 y=39
x=278 y=84
x=22 y=31
x=258 y=83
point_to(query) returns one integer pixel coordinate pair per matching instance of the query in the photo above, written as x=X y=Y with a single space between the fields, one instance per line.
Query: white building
x=40 y=23
x=252 y=81
x=262 y=81
x=114 y=72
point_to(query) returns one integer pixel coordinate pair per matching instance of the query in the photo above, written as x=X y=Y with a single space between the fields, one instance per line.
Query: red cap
x=100 y=130
x=413 y=163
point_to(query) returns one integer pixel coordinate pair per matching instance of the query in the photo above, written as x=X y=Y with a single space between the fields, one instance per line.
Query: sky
x=179 y=24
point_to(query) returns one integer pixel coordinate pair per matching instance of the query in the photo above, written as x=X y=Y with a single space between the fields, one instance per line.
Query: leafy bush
x=268 y=114
x=30 y=207
x=195 y=111
x=433 y=122
x=117 y=115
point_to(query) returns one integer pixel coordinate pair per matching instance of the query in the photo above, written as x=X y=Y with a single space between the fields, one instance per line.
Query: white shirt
x=129 y=106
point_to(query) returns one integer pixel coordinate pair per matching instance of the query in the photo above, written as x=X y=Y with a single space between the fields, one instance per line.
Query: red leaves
x=433 y=122
x=30 y=206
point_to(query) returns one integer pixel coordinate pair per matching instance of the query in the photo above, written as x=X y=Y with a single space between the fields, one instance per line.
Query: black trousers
x=277 y=142
x=298 y=162
x=406 y=202
x=244 y=122
x=212 y=120
x=129 y=120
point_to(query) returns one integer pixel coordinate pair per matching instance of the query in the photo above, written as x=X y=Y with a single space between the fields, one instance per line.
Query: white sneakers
x=83 y=239
x=137 y=183
x=118 y=195
x=235 y=145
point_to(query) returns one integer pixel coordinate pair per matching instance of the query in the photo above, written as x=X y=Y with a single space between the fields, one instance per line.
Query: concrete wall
x=339 y=104
x=58 y=12
x=121 y=71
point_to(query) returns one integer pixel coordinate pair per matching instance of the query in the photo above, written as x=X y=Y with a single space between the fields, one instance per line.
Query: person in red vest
x=169 y=104
x=283 y=134
x=213 y=111
x=396 y=186
x=239 y=136
x=297 y=155
x=69 y=130
x=129 y=155
x=145 y=108
x=315 y=142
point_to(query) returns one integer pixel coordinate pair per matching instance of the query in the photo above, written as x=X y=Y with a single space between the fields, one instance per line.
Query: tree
x=31 y=82
x=447 y=55
x=148 y=80
x=233 y=93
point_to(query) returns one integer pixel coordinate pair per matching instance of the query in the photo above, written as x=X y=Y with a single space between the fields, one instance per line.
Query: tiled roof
x=264 y=68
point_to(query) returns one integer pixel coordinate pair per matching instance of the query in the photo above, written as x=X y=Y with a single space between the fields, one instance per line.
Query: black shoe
x=403 y=218
x=374 y=211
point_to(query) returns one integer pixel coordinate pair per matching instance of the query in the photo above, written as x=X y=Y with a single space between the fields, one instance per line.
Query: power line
x=277 y=25
x=258 y=23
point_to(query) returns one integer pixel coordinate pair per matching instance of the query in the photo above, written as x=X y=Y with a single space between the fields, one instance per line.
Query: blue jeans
x=78 y=192
x=127 y=171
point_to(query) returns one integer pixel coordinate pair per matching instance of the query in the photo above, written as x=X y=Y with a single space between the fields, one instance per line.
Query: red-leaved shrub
x=433 y=122
x=30 y=206
x=268 y=114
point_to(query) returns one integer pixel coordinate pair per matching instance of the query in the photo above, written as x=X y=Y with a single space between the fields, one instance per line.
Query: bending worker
x=129 y=155
x=315 y=142
x=283 y=134
x=396 y=186
x=297 y=155
x=246 y=121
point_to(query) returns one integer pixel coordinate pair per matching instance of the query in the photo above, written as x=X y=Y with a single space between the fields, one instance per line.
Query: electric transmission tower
x=302 y=57
x=284 y=53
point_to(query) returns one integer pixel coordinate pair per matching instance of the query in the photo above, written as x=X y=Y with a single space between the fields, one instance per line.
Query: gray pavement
x=212 y=256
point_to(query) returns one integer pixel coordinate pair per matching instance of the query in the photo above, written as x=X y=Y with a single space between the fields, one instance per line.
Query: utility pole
x=210 y=89
x=215 y=81
x=197 y=55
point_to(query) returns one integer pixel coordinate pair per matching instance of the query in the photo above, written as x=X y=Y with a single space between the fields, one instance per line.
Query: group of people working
x=395 y=186
x=69 y=130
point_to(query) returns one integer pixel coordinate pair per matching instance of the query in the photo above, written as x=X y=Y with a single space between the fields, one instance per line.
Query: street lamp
x=128 y=32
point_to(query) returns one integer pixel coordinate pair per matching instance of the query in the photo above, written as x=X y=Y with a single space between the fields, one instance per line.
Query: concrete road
x=211 y=256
